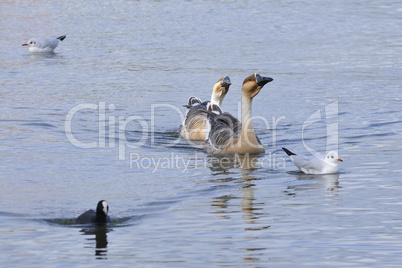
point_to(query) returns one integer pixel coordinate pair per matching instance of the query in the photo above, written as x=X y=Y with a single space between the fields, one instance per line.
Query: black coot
x=98 y=216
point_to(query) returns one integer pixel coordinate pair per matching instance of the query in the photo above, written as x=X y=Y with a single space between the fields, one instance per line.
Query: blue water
x=98 y=120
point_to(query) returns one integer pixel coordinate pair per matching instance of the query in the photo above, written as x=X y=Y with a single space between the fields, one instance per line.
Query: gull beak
x=340 y=160
x=24 y=44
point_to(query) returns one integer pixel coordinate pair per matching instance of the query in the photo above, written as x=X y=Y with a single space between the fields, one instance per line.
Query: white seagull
x=328 y=165
x=43 y=45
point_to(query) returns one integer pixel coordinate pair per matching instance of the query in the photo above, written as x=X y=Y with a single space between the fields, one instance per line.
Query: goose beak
x=340 y=160
x=262 y=80
x=226 y=82
x=24 y=44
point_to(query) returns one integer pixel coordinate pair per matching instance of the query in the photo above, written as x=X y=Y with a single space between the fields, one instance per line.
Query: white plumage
x=43 y=45
x=312 y=165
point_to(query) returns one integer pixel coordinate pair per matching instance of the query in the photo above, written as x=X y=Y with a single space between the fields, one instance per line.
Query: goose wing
x=194 y=123
x=224 y=129
x=195 y=114
x=192 y=101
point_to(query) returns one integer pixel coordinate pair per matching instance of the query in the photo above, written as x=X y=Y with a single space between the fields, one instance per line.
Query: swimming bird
x=98 y=216
x=194 y=124
x=226 y=134
x=43 y=45
x=312 y=165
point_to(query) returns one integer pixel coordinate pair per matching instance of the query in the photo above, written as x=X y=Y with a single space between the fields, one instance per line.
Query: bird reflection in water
x=100 y=232
x=223 y=163
x=247 y=164
x=251 y=209
x=330 y=182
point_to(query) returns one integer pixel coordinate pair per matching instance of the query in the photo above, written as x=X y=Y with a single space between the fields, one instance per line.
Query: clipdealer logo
x=112 y=132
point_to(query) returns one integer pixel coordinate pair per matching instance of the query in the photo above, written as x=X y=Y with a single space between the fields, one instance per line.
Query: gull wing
x=307 y=165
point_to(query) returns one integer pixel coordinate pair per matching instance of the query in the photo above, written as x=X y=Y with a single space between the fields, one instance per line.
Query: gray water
x=117 y=84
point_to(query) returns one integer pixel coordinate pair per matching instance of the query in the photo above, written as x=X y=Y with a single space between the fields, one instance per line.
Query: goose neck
x=246 y=113
x=215 y=99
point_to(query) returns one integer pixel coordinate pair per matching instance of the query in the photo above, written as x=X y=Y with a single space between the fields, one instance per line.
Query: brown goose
x=194 y=124
x=226 y=135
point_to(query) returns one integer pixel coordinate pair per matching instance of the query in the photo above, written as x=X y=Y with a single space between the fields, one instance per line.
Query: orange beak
x=24 y=44
x=340 y=160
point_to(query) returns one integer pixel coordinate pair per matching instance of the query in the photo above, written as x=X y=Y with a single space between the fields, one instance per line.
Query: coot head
x=98 y=216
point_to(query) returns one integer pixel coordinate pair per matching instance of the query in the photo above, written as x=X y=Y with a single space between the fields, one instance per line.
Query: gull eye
x=31 y=42
x=332 y=156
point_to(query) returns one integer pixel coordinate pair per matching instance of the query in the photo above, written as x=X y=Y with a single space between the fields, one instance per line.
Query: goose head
x=220 y=90
x=253 y=84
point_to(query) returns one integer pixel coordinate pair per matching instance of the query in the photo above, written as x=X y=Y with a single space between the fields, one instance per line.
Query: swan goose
x=225 y=134
x=194 y=124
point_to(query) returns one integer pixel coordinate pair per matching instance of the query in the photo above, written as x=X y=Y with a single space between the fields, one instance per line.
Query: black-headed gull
x=328 y=165
x=43 y=45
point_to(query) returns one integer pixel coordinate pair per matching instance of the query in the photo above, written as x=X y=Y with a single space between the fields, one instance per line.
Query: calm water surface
x=98 y=120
